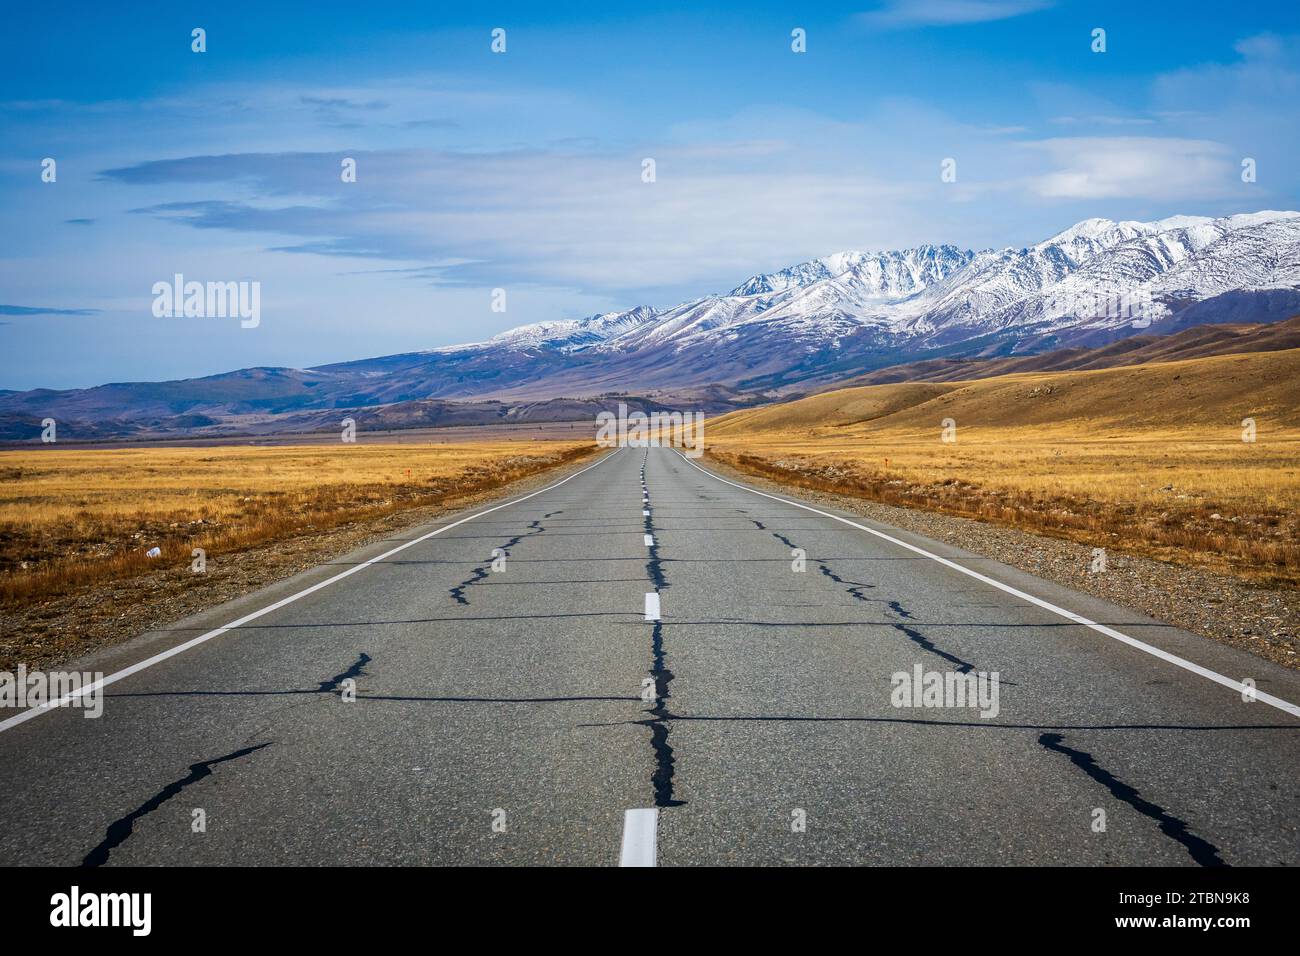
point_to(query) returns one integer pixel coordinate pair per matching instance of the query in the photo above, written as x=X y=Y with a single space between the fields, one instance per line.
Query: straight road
x=499 y=715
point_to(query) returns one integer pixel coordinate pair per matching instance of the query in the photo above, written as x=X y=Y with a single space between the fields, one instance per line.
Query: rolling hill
x=1138 y=459
x=1216 y=391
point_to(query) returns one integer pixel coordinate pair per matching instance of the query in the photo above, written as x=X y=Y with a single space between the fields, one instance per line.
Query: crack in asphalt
x=120 y=830
x=483 y=570
x=660 y=716
x=854 y=588
x=857 y=590
x=353 y=672
x=1202 y=851
x=923 y=642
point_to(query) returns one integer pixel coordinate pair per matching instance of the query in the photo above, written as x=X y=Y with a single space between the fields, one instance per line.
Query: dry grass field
x=1145 y=460
x=74 y=518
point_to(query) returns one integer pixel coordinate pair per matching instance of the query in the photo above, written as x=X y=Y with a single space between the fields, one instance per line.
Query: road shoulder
x=1222 y=609
x=149 y=614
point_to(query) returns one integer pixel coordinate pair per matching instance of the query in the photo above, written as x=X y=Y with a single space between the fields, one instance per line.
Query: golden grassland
x=1145 y=460
x=70 y=518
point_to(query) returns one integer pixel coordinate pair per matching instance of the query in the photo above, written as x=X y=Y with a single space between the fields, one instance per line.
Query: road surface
x=499 y=714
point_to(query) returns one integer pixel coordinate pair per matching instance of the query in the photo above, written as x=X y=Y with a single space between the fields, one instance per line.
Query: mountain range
x=774 y=335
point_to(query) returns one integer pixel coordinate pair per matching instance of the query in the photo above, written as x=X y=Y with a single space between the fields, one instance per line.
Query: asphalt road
x=499 y=715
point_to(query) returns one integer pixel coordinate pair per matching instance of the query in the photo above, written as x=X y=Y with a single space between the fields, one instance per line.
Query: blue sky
x=522 y=170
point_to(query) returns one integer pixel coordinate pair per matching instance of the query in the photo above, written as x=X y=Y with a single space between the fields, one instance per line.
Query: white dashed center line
x=640 y=837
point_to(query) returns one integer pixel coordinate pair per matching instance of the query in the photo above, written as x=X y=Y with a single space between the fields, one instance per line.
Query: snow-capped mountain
x=1102 y=276
x=889 y=274
x=813 y=323
x=570 y=335
x=1093 y=282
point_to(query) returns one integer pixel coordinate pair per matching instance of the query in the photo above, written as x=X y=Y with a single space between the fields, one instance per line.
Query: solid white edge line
x=1174 y=659
x=113 y=678
x=640 y=837
x=652 y=606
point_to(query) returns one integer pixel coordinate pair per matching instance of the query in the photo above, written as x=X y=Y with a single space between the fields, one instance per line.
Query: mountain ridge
x=793 y=330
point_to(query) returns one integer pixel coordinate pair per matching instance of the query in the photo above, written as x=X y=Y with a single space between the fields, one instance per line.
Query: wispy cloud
x=269 y=173
x=1108 y=167
x=342 y=103
x=1102 y=120
x=1266 y=76
x=25 y=310
x=495 y=216
x=899 y=14
x=429 y=124
x=579 y=214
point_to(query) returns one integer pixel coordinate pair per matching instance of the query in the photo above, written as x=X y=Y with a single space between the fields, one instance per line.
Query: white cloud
x=1132 y=166
x=1102 y=120
x=1261 y=46
x=918 y=13
x=1266 y=79
x=563 y=218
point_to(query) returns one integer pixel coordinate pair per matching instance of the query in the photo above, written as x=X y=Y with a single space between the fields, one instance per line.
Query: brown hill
x=1139 y=459
x=1217 y=391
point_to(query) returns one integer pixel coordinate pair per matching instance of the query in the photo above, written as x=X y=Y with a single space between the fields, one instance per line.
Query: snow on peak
x=893 y=274
x=940 y=294
x=1244 y=219
x=575 y=334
